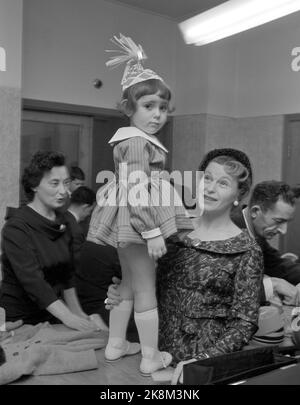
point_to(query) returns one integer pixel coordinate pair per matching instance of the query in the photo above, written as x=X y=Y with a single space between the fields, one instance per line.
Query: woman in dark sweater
x=37 y=259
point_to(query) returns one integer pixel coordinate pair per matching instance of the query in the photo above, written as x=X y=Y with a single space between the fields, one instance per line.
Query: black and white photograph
x=149 y=196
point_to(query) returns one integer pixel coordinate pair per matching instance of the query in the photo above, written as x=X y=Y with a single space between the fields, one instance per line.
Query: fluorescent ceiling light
x=232 y=17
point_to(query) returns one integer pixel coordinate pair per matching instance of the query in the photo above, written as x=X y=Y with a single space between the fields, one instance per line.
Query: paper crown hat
x=132 y=55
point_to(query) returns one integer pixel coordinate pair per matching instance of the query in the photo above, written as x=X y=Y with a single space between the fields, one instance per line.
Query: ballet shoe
x=116 y=353
x=159 y=361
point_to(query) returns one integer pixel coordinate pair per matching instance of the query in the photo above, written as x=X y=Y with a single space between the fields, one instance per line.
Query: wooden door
x=291 y=174
x=67 y=133
x=102 y=155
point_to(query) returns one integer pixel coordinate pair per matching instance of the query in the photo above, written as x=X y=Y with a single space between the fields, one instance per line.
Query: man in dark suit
x=271 y=208
x=82 y=202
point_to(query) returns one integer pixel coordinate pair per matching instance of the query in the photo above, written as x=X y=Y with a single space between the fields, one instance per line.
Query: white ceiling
x=174 y=9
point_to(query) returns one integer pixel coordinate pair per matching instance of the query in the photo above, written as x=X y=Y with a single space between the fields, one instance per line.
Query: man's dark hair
x=2 y=356
x=76 y=173
x=41 y=162
x=83 y=195
x=296 y=190
x=267 y=193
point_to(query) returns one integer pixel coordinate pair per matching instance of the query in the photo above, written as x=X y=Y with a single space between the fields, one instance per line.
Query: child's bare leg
x=143 y=272
x=142 y=276
x=125 y=288
x=119 y=317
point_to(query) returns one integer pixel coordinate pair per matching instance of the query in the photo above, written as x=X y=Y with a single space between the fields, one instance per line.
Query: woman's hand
x=11 y=326
x=10 y=329
x=156 y=247
x=98 y=322
x=289 y=293
x=113 y=295
x=178 y=375
x=68 y=318
x=78 y=323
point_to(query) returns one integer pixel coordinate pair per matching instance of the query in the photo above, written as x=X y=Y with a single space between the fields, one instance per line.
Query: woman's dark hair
x=40 y=163
x=133 y=93
x=236 y=163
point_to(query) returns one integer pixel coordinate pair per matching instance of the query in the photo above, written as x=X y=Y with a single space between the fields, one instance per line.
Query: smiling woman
x=37 y=257
x=209 y=280
x=221 y=185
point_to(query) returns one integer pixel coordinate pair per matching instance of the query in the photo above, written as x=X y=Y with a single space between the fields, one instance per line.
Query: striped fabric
x=117 y=218
x=272 y=338
x=270 y=327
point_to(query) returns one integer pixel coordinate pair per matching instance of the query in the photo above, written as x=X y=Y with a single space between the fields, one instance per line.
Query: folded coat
x=49 y=349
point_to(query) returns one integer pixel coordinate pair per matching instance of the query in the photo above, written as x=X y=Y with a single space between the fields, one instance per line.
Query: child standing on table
x=134 y=212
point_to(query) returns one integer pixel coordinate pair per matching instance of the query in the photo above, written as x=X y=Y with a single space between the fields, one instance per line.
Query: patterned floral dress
x=208 y=295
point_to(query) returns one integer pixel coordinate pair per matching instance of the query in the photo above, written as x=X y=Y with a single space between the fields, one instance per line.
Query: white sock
x=118 y=322
x=147 y=326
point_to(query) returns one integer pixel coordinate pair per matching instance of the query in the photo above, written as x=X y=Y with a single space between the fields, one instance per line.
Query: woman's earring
x=235 y=203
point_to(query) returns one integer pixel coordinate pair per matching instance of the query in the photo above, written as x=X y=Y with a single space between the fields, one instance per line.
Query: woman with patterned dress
x=209 y=281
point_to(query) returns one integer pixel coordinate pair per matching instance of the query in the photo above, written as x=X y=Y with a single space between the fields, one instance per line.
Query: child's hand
x=156 y=247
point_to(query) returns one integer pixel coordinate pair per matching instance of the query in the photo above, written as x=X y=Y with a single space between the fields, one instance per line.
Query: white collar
x=250 y=230
x=132 y=132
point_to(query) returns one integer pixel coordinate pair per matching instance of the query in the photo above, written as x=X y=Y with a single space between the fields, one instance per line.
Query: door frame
x=93 y=113
x=286 y=151
x=286 y=144
x=66 y=113
x=85 y=125
x=65 y=108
